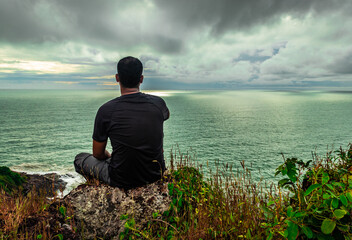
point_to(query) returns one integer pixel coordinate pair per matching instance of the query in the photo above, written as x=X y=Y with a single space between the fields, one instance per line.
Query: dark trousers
x=90 y=167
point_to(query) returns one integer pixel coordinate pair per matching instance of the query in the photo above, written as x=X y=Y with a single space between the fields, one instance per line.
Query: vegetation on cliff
x=10 y=180
x=28 y=210
x=313 y=200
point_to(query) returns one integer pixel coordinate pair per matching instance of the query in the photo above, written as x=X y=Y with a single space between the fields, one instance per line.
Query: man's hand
x=99 y=150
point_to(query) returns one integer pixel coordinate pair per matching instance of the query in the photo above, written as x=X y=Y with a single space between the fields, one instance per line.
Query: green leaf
x=330 y=186
x=331 y=193
x=338 y=184
x=307 y=232
x=248 y=234
x=270 y=236
x=284 y=181
x=155 y=214
x=339 y=213
x=60 y=236
x=292 y=231
x=132 y=222
x=62 y=210
x=231 y=217
x=290 y=212
x=335 y=203
x=300 y=214
x=328 y=226
x=166 y=213
x=325 y=178
x=39 y=236
x=311 y=188
x=123 y=216
x=180 y=203
x=343 y=199
x=292 y=171
x=284 y=171
x=271 y=202
x=349 y=196
x=326 y=196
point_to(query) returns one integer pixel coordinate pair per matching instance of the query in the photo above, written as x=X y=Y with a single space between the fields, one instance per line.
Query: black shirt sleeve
x=165 y=110
x=101 y=124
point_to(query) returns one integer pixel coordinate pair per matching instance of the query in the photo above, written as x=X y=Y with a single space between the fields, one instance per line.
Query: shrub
x=320 y=200
x=9 y=180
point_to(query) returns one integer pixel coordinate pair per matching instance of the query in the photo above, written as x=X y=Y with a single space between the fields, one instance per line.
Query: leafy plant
x=10 y=180
x=62 y=210
x=320 y=203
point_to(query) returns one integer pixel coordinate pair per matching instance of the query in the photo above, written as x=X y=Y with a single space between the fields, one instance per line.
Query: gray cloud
x=343 y=64
x=199 y=42
x=95 y=22
x=104 y=22
x=230 y=15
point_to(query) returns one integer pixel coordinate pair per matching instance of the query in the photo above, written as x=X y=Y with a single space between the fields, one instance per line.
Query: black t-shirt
x=134 y=124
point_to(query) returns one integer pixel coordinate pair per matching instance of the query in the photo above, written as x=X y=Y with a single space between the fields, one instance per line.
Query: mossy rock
x=9 y=180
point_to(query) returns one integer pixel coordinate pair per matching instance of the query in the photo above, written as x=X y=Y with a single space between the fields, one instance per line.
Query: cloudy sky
x=183 y=44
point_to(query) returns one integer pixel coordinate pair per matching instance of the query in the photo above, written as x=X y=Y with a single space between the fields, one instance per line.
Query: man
x=134 y=124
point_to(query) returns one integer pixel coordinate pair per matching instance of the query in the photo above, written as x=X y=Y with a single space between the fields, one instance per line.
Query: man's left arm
x=99 y=150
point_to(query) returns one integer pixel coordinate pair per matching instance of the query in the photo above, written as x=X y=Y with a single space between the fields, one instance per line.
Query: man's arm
x=99 y=150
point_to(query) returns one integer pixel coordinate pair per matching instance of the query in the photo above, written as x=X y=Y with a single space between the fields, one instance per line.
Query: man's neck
x=126 y=91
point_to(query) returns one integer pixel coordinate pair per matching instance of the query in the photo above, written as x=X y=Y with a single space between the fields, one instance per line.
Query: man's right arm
x=99 y=150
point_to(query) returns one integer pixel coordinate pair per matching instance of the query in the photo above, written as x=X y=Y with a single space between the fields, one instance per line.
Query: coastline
x=68 y=180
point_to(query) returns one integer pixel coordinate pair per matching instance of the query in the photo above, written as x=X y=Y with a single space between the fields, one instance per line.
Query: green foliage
x=320 y=202
x=9 y=180
x=130 y=230
x=62 y=210
x=31 y=215
x=221 y=207
x=59 y=236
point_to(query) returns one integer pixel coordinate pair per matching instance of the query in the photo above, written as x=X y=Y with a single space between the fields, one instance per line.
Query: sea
x=41 y=131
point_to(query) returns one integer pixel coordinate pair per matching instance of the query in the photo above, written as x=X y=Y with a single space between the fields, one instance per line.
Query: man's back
x=134 y=124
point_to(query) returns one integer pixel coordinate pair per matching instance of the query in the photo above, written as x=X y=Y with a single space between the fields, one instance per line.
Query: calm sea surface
x=42 y=131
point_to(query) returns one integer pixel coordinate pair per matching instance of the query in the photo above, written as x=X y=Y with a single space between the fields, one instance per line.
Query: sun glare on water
x=160 y=94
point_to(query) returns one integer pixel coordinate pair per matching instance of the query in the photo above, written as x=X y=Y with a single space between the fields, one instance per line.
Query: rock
x=49 y=183
x=97 y=209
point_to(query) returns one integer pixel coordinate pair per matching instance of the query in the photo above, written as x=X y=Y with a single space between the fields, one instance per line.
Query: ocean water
x=43 y=130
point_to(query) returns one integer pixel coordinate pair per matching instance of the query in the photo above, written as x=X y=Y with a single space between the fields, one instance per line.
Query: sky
x=183 y=44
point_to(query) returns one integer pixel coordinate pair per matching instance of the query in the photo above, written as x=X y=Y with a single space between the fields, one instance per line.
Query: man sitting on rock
x=134 y=124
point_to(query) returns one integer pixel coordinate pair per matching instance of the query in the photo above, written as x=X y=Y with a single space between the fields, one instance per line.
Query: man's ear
x=117 y=78
x=142 y=77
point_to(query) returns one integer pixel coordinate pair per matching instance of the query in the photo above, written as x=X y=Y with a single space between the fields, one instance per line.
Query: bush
x=320 y=196
x=10 y=181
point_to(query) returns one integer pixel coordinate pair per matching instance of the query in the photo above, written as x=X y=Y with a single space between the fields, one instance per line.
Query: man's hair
x=130 y=71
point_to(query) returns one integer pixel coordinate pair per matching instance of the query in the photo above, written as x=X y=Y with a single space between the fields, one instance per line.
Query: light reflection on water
x=44 y=130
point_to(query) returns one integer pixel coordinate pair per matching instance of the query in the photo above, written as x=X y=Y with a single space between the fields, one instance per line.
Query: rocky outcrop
x=91 y=210
x=98 y=208
x=48 y=183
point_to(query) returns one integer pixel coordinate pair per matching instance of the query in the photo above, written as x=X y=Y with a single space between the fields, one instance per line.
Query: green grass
x=28 y=215
x=9 y=180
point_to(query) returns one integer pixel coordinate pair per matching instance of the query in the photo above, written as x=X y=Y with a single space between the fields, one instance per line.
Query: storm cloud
x=201 y=43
